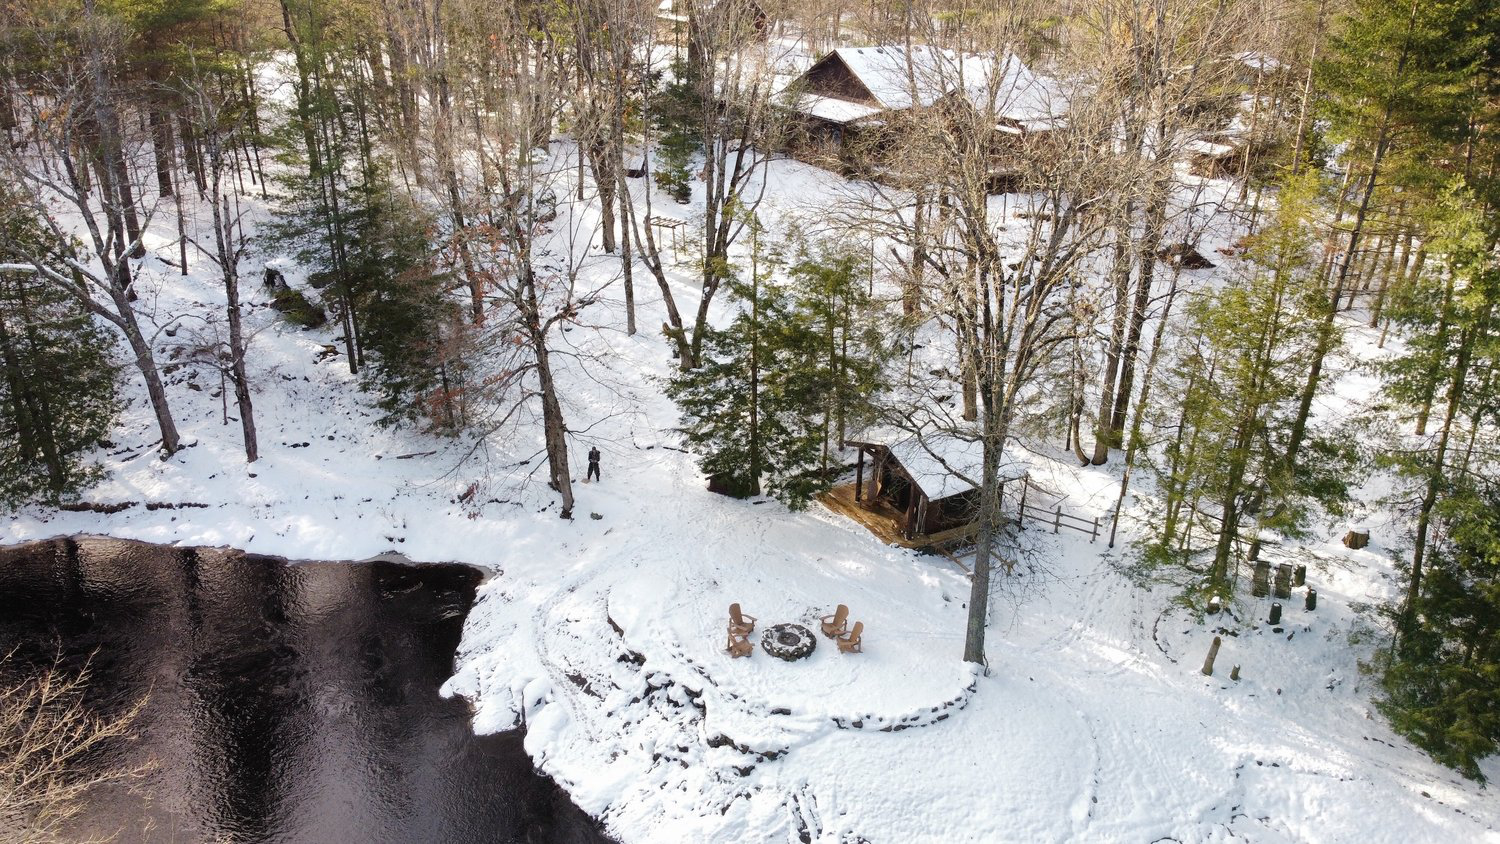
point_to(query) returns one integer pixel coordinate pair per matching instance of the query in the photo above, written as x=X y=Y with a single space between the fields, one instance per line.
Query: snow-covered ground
x=604 y=635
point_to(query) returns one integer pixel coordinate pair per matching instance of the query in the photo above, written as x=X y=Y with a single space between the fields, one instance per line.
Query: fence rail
x=1055 y=516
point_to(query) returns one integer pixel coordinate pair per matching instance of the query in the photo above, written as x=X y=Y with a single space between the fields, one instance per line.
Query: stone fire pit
x=788 y=642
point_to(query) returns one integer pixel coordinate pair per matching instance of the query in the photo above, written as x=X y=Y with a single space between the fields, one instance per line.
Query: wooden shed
x=917 y=483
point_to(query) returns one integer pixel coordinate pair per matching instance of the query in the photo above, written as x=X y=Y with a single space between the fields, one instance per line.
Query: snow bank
x=605 y=637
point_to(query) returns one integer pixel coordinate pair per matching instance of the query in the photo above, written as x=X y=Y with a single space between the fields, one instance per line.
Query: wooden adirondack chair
x=739 y=646
x=739 y=622
x=837 y=624
x=850 y=643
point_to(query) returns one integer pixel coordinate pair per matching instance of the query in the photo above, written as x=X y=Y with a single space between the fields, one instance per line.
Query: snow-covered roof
x=1018 y=93
x=833 y=109
x=1004 y=84
x=936 y=462
x=1208 y=148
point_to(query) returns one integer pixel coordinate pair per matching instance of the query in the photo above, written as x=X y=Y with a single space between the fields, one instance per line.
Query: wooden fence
x=1055 y=517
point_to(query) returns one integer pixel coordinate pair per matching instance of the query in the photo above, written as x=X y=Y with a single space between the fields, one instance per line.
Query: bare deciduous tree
x=76 y=130
x=216 y=129
x=54 y=750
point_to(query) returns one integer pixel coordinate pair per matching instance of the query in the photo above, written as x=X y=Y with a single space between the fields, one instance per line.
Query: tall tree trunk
x=1325 y=334
x=161 y=144
x=1399 y=267
x=1300 y=135
x=995 y=425
x=554 y=430
x=115 y=149
x=753 y=434
x=145 y=362
x=627 y=259
x=1155 y=222
x=191 y=155
x=228 y=264
x=603 y=161
x=1120 y=282
x=1133 y=441
x=1435 y=365
x=1435 y=478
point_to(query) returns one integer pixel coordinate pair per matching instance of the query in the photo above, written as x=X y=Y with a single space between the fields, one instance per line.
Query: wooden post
x=1095 y=535
x=1213 y=653
x=1057 y=519
x=1234 y=673
x=911 y=509
x=1312 y=600
x=1275 y=613
x=1021 y=513
x=859 y=475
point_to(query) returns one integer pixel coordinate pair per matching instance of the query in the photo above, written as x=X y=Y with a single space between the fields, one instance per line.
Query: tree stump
x=1299 y=575
x=1213 y=652
x=1312 y=600
x=1276 y=613
x=1234 y=673
x=1357 y=539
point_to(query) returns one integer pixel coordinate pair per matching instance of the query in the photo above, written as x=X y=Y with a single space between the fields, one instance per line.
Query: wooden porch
x=885 y=521
x=877 y=515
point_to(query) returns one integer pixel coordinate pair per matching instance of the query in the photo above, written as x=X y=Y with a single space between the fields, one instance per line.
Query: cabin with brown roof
x=848 y=102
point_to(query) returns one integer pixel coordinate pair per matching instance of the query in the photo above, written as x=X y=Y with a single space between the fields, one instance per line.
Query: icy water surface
x=288 y=703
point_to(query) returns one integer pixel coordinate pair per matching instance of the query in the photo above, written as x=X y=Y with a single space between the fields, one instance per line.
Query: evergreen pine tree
x=378 y=262
x=413 y=330
x=1396 y=83
x=776 y=386
x=744 y=411
x=57 y=383
x=678 y=143
x=833 y=303
x=1237 y=383
x=1442 y=685
x=1452 y=359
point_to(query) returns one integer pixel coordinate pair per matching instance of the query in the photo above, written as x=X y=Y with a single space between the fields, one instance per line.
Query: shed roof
x=1209 y=148
x=834 y=110
x=1003 y=84
x=939 y=463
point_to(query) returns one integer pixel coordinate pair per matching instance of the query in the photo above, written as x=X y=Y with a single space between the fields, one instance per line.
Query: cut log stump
x=1213 y=653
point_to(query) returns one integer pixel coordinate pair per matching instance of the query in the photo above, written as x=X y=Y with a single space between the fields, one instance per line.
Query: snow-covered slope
x=605 y=636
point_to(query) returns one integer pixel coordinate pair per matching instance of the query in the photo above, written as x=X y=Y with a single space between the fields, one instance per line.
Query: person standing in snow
x=593 y=465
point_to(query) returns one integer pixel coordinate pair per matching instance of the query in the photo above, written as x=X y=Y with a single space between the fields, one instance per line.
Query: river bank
x=286 y=702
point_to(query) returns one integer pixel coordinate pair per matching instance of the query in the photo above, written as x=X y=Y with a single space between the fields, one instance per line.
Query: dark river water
x=287 y=703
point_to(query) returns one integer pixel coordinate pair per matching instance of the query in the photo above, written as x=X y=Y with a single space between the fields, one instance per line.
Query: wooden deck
x=883 y=520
